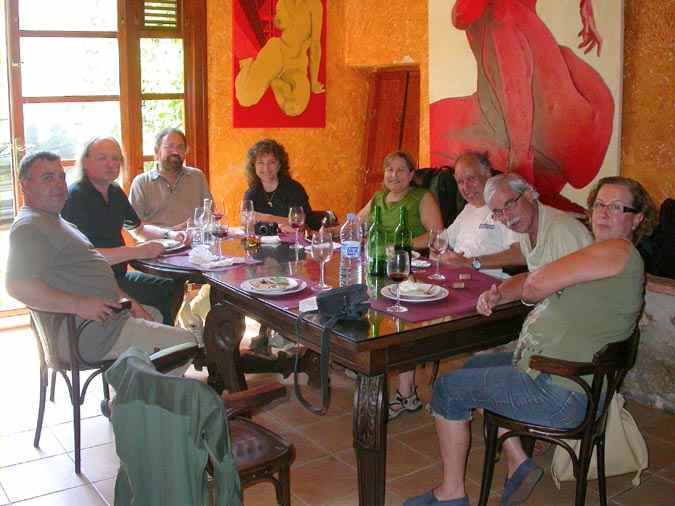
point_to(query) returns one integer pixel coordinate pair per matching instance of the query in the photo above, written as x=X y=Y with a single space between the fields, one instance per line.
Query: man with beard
x=99 y=208
x=168 y=195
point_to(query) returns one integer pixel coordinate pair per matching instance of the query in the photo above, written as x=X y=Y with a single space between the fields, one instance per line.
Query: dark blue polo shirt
x=99 y=220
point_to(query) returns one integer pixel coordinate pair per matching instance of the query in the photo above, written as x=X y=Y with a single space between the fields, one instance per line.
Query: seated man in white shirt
x=473 y=234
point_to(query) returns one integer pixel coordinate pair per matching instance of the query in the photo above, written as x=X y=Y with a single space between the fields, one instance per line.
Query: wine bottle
x=402 y=239
x=377 y=261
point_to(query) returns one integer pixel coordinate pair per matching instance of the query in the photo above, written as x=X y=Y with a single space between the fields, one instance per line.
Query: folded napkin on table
x=270 y=240
x=201 y=255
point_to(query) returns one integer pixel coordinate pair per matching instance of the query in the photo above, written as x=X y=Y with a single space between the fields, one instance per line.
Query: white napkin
x=308 y=304
x=270 y=240
x=201 y=255
x=412 y=288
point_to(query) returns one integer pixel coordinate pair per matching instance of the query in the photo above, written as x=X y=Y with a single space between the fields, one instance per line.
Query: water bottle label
x=351 y=249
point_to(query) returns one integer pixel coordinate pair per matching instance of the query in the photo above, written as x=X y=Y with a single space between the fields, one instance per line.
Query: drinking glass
x=199 y=217
x=296 y=219
x=246 y=212
x=398 y=269
x=191 y=231
x=218 y=229
x=322 y=251
x=438 y=245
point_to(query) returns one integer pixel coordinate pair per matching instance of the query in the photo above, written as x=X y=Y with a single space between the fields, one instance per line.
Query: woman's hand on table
x=488 y=300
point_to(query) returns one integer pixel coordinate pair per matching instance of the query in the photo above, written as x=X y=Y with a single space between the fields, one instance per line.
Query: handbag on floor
x=345 y=304
x=625 y=448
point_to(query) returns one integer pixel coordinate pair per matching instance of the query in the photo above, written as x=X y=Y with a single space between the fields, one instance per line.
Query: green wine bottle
x=377 y=261
x=402 y=239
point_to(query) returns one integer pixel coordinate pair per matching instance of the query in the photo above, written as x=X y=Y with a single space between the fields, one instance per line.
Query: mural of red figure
x=539 y=109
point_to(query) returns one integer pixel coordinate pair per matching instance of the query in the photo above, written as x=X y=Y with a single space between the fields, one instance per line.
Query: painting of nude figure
x=279 y=63
x=536 y=84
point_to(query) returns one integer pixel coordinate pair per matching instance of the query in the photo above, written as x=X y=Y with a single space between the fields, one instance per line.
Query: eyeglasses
x=497 y=214
x=613 y=207
x=175 y=147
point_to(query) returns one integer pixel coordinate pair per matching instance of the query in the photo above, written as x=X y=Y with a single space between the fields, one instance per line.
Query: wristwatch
x=475 y=263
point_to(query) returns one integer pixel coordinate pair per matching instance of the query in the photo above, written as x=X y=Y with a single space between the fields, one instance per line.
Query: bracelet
x=528 y=304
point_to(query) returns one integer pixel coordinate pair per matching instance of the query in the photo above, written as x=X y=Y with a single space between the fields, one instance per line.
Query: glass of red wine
x=398 y=269
x=296 y=219
x=218 y=229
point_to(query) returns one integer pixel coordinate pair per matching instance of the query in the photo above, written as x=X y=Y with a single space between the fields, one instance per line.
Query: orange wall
x=325 y=160
x=365 y=35
x=648 y=148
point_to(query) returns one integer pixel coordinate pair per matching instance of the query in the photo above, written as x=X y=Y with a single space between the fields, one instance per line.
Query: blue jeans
x=490 y=381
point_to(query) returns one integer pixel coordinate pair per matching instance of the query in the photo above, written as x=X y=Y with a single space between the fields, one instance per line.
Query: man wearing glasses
x=168 y=194
x=544 y=234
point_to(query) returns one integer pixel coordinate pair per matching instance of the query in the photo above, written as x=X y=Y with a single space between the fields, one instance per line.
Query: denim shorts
x=490 y=381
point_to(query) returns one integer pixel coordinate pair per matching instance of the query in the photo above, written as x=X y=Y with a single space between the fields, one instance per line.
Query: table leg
x=223 y=332
x=370 y=438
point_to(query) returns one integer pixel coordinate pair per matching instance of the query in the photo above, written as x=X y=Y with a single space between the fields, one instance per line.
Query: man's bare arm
x=39 y=295
x=116 y=256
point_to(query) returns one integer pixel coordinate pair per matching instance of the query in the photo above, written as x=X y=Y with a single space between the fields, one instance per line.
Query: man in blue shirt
x=98 y=206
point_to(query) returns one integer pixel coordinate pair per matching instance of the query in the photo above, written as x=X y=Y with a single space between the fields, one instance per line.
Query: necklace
x=269 y=198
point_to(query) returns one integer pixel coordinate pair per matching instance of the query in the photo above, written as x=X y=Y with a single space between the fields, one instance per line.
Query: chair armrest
x=238 y=403
x=561 y=367
x=565 y=368
x=173 y=357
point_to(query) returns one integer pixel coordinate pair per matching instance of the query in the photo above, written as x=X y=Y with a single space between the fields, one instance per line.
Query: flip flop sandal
x=399 y=404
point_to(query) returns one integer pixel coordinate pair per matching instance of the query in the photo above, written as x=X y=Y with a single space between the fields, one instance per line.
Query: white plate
x=170 y=243
x=258 y=285
x=437 y=293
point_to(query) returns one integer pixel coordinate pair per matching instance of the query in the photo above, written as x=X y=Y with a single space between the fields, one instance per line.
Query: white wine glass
x=438 y=245
x=322 y=252
x=398 y=269
x=247 y=212
x=199 y=217
x=296 y=219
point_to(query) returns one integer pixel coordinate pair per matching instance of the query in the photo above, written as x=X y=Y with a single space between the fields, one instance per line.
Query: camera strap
x=348 y=304
x=324 y=364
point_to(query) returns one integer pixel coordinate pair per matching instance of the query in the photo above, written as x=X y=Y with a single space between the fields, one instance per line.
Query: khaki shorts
x=150 y=336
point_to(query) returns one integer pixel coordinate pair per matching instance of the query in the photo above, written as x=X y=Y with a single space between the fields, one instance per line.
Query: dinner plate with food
x=273 y=285
x=416 y=292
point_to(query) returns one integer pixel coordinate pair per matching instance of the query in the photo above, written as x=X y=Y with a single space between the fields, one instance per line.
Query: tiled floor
x=324 y=472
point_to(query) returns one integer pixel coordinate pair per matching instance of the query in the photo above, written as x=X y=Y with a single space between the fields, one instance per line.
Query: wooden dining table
x=375 y=347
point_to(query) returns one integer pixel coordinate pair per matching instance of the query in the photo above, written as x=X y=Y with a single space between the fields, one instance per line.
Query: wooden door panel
x=385 y=116
x=410 y=138
x=392 y=123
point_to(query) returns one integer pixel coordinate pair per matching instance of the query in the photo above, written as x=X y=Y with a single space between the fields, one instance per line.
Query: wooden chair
x=271 y=454
x=608 y=368
x=46 y=327
x=151 y=409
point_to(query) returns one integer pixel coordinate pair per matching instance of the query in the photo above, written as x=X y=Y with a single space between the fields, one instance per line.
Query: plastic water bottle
x=350 y=252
